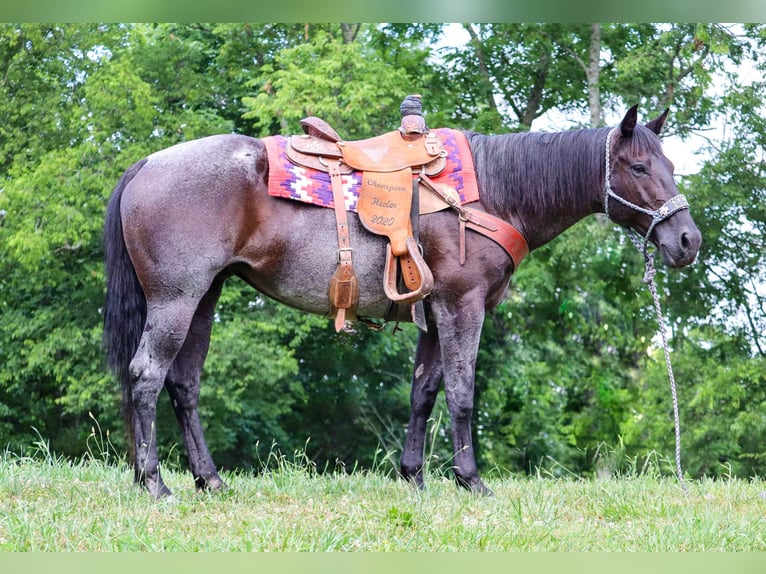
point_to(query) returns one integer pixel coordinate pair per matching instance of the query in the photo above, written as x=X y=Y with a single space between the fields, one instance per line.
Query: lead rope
x=649 y=280
x=649 y=274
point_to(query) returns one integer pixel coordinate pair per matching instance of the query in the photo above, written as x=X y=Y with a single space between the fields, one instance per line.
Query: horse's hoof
x=417 y=484
x=416 y=480
x=483 y=490
x=158 y=491
x=474 y=485
x=214 y=483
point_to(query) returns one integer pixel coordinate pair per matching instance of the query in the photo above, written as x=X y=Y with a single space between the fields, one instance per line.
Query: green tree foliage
x=718 y=326
x=569 y=368
x=337 y=80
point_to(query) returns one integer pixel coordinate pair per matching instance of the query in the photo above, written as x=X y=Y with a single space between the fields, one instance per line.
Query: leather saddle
x=388 y=205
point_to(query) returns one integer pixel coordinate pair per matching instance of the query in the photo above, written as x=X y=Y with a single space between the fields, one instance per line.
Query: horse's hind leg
x=167 y=324
x=183 y=385
x=425 y=386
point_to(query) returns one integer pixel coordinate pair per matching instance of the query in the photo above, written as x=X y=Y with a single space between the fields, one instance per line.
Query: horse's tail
x=125 y=308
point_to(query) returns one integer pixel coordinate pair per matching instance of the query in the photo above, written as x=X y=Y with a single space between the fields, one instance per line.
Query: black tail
x=125 y=309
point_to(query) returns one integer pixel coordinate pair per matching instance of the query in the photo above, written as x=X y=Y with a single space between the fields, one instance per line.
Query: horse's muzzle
x=680 y=247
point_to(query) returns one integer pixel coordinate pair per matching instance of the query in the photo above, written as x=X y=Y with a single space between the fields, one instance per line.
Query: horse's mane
x=537 y=172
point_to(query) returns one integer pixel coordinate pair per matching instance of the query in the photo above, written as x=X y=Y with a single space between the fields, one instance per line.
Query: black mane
x=538 y=172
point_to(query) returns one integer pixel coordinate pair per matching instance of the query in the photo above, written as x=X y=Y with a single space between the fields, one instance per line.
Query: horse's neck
x=542 y=227
x=542 y=183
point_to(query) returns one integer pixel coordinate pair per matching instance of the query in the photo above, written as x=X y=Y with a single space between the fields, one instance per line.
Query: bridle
x=666 y=210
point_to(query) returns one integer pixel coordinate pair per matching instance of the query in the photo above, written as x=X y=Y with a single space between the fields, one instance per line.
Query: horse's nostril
x=685 y=241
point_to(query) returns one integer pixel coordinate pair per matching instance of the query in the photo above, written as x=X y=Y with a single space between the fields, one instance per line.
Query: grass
x=50 y=504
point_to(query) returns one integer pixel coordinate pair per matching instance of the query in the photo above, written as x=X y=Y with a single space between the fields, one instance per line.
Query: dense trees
x=570 y=376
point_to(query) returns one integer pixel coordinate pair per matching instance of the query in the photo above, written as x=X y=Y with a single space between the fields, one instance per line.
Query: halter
x=666 y=210
x=670 y=207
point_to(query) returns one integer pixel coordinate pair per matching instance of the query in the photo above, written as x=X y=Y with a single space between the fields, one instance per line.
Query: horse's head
x=641 y=192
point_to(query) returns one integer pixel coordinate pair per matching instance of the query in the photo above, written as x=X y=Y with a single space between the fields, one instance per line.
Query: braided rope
x=672 y=206
x=649 y=280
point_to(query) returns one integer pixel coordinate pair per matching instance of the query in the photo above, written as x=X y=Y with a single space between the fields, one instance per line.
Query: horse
x=182 y=220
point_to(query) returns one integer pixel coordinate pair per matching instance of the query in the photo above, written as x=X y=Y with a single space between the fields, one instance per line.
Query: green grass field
x=48 y=504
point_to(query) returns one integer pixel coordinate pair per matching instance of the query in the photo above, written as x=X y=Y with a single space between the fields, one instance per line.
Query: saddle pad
x=291 y=181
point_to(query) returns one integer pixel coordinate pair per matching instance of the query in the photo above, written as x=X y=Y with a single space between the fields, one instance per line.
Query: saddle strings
x=650 y=272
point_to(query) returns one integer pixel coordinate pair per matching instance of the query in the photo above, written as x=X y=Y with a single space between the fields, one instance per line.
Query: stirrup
x=426 y=283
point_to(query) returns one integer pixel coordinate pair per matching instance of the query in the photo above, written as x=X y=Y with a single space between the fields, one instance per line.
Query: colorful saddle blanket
x=291 y=181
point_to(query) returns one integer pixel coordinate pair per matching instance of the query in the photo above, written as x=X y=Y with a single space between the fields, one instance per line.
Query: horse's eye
x=639 y=168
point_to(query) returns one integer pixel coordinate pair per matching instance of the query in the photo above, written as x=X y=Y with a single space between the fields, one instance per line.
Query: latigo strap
x=344 y=285
x=499 y=230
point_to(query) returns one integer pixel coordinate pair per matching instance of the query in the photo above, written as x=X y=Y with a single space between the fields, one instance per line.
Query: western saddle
x=389 y=204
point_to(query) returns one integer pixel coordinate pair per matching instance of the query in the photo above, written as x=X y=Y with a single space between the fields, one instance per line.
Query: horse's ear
x=628 y=123
x=657 y=124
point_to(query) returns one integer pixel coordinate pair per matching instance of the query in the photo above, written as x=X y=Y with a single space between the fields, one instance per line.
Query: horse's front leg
x=460 y=326
x=425 y=386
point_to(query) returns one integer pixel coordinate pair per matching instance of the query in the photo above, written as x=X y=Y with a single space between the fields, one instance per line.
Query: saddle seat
x=385 y=153
x=388 y=205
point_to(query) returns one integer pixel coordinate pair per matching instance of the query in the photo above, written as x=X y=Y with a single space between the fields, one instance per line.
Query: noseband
x=666 y=210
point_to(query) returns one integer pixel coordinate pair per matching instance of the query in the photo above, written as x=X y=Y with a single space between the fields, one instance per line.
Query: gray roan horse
x=182 y=220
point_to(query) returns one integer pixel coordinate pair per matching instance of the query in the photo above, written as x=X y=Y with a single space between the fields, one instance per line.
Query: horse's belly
x=296 y=263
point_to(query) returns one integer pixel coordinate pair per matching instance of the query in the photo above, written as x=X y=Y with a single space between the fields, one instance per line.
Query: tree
x=91 y=115
x=333 y=79
x=718 y=326
x=568 y=362
x=140 y=88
